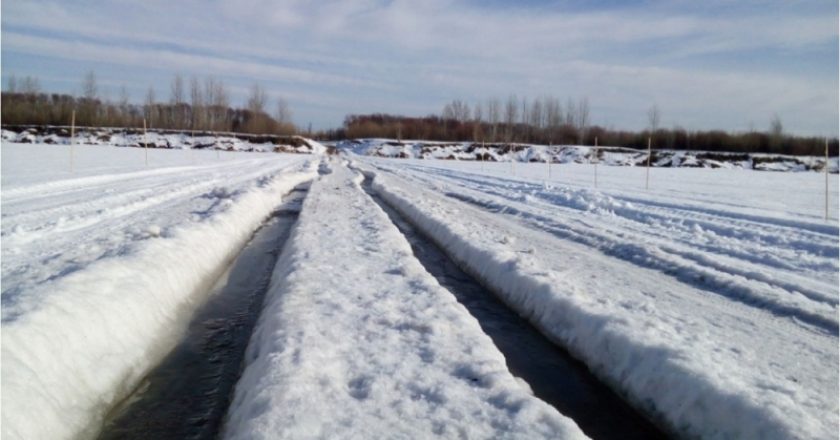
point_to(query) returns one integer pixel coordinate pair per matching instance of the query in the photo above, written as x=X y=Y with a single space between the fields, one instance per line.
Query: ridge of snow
x=357 y=340
x=562 y=154
x=702 y=365
x=84 y=340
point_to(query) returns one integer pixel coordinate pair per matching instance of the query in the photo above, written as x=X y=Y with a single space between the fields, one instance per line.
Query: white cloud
x=415 y=55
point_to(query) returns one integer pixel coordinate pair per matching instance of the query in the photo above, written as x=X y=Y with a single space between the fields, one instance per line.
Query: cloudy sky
x=708 y=64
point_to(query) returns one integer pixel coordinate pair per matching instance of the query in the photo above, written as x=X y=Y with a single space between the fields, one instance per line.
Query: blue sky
x=714 y=64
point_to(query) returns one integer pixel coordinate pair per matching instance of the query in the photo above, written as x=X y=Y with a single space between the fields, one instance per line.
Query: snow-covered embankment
x=85 y=340
x=702 y=365
x=357 y=340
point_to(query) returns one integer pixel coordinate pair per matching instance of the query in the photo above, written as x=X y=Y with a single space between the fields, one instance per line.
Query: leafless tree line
x=543 y=119
x=193 y=104
x=548 y=121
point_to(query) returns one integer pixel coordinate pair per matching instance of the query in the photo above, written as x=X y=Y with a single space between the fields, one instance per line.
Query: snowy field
x=100 y=266
x=709 y=301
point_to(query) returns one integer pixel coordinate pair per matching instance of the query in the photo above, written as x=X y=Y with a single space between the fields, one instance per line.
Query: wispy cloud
x=714 y=64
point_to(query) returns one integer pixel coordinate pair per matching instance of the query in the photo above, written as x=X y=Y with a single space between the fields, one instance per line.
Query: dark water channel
x=553 y=374
x=187 y=395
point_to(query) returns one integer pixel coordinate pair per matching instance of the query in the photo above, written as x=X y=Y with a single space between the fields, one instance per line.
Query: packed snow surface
x=357 y=340
x=710 y=302
x=101 y=267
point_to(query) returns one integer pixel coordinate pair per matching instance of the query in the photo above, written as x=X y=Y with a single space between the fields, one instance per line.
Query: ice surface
x=357 y=340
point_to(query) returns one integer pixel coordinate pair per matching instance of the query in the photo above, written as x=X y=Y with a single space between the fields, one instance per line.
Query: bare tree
x=537 y=115
x=257 y=99
x=284 y=114
x=258 y=121
x=150 y=106
x=177 y=101
x=177 y=90
x=776 y=133
x=553 y=117
x=196 y=104
x=494 y=117
x=124 y=106
x=511 y=112
x=571 y=113
x=12 y=84
x=526 y=118
x=582 y=122
x=216 y=102
x=457 y=110
x=653 y=119
x=89 y=105
x=89 y=88
x=478 y=132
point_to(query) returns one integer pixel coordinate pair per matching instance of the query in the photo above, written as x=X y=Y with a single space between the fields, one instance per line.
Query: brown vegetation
x=209 y=108
x=545 y=121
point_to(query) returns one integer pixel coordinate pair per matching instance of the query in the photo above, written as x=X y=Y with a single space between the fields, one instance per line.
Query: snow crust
x=101 y=271
x=698 y=357
x=356 y=340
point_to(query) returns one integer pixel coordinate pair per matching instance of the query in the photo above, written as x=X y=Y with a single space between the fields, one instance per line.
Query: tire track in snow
x=41 y=244
x=550 y=371
x=188 y=394
x=804 y=302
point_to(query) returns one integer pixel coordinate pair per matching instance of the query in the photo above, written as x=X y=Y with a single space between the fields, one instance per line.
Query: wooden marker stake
x=647 y=170
x=72 y=136
x=826 y=178
x=145 y=142
x=596 y=162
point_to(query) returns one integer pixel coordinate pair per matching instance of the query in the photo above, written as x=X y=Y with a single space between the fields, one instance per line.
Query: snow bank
x=356 y=340
x=95 y=332
x=704 y=366
x=166 y=139
x=616 y=156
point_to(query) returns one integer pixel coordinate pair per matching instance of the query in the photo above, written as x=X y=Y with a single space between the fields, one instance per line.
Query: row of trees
x=546 y=121
x=543 y=120
x=192 y=105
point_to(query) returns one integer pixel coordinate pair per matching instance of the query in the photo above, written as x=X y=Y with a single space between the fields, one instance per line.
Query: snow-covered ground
x=357 y=340
x=710 y=301
x=100 y=266
x=579 y=154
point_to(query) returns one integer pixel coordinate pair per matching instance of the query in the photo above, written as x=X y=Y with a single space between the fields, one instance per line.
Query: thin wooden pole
x=145 y=142
x=647 y=170
x=596 y=162
x=481 y=157
x=826 y=178
x=512 y=170
x=72 y=137
x=548 y=160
